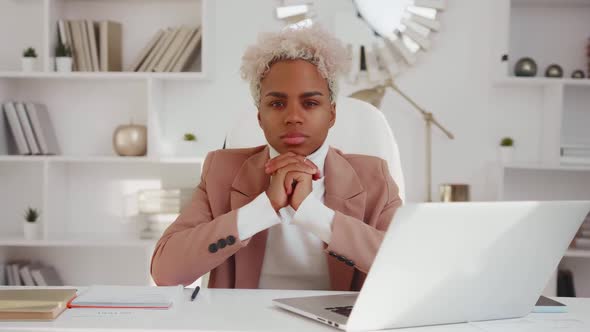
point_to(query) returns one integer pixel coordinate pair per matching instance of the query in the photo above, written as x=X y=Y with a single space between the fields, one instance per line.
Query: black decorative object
x=578 y=74
x=554 y=71
x=525 y=67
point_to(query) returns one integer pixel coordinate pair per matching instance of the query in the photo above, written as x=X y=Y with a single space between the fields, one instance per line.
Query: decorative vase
x=554 y=71
x=525 y=67
x=32 y=230
x=506 y=154
x=63 y=64
x=130 y=140
x=454 y=192
x=28 y=64
x=578 y=74
x=187 y=149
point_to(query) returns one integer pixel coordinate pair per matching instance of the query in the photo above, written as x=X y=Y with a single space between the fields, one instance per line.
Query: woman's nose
x=294 y=114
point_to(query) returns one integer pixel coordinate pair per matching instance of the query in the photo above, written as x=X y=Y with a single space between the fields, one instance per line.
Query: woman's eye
x=310 y=103
x=277 y=104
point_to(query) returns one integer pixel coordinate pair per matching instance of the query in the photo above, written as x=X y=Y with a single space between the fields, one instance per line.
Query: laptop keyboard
x=344 y=311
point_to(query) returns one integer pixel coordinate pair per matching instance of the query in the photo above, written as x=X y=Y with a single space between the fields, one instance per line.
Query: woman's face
x=295 y=112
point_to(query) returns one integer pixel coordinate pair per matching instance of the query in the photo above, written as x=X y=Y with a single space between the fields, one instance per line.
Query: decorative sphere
x=130 y=140
x=554 y=71
x=525 y=67
x=578 y=74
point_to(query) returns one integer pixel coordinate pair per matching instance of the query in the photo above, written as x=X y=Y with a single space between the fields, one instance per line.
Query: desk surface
x=252 y=310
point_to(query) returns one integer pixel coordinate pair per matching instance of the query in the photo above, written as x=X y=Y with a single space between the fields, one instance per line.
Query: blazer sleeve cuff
x=256 y=216
x=315 y=217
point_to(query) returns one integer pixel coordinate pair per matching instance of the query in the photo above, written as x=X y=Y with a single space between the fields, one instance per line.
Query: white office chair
x=360 y=128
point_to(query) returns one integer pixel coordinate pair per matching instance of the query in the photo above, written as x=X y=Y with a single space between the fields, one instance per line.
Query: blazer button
x=341 y=258
x=221 y=243
x=333 y=254
x=349 y=263
x=231 y=240
x=212 y=248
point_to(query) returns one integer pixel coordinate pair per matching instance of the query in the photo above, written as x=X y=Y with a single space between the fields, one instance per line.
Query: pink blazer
x=204 y=237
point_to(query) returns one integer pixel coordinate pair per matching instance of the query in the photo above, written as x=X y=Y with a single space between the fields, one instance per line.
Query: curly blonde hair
x=312 y=44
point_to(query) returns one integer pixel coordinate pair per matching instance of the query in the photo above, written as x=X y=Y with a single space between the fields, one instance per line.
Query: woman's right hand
x=278 y=167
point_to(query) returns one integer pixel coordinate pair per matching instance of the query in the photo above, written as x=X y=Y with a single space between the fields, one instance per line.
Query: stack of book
x=582 y=239
x=575 y=154
x=34 y=304
x=96 y=46
x=26 y=129
x=161 y=208
x=24 y=273
x=169 y=50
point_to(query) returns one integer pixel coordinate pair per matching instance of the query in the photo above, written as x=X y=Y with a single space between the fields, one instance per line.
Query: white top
x=294 y=257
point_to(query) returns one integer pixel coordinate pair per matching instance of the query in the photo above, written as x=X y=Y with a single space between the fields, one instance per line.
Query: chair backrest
x=360 y=128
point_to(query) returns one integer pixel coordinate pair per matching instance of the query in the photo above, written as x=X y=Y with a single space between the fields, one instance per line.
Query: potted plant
x=63 y=58
x=506 y=150
x=188 y=145
x=29 y=59
x=32 y=224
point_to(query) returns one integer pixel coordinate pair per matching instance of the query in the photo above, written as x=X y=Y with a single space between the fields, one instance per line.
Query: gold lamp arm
x=375 y=96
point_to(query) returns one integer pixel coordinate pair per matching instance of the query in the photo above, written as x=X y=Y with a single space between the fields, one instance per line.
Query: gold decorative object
x=375 y=95
x=130 y=140
x=454 y=192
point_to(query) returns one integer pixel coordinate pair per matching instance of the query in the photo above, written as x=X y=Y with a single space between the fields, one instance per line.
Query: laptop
x=443 y=263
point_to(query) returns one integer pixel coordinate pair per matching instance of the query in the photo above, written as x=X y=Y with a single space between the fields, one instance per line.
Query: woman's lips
x=293 y=138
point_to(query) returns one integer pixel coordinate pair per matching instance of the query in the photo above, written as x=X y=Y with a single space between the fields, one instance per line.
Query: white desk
x=252 y=310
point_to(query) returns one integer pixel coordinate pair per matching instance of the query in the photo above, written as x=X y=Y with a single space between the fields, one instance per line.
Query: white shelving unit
x=87 y=195
x=549 y=31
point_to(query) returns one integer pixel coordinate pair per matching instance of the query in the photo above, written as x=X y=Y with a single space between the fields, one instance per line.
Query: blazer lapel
x=345 y=194
x=250 y=181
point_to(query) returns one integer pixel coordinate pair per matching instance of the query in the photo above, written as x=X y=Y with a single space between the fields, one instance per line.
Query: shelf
x=195 y=76
x=583 y=253
x=17 y=241
x=102 y=159
x=585 y=168
x=551 y=3
x=540 y=81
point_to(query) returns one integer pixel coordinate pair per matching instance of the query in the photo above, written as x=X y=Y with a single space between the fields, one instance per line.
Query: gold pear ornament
x=130 y=140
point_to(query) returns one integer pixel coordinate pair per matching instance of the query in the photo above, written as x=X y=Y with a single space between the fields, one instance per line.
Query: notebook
x=34 y=304
x=131 y=297
x=547 y=305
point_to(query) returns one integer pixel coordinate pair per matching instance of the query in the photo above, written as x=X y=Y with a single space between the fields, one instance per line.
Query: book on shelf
x=65 y=37
x=34 y=304
x=24 y=273
x=16 y=129
x=162 y=49
x=92 y=44
x=7 y=142
x=171 y=49
x=3 y=280
x=85 y=45
x=189 y=53
x=110 y=46
x=582 y=151
x=43 y=128
x=189 y=32
x=96 y=45
x=78 y=45
x=27 y=128
x=146 y=51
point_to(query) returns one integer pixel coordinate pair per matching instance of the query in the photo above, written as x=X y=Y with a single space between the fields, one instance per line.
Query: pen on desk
x=195 y=292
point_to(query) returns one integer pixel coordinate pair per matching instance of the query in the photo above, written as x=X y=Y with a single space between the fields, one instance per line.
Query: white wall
x=453 y=81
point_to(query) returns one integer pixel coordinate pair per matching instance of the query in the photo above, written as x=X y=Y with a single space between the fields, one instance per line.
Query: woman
x=292 y=214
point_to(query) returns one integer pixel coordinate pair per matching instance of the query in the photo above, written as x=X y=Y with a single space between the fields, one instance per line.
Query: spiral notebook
x=130 y=297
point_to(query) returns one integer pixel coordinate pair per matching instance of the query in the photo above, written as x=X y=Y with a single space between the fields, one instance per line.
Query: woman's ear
x=332 y=115
x=259 y=121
